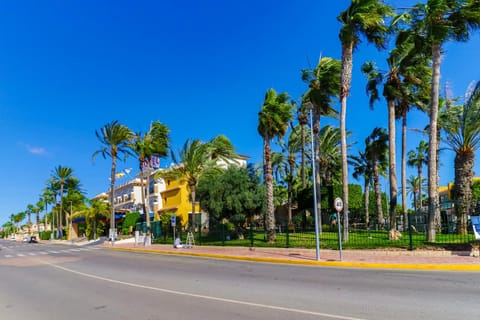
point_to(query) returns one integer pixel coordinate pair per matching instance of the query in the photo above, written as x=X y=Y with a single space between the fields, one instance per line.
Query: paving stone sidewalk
x=404 y=259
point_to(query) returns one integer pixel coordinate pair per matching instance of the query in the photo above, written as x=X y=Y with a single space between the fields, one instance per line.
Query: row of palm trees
x=411 y=81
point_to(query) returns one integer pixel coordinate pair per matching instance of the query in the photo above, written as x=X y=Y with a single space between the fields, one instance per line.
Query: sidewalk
x=388 y=259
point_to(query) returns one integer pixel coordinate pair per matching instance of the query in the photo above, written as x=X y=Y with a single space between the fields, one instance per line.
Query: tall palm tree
x=418 y=159
x=114 y=139
x=197 y=158
x=441 y=21
x=367 y=18
x=38 y=208
x=273 y=119
x=61 y=175
x=154 y=143
x=376 y=152
x=51 y=191
x=414 y=92
x=290 y=146
x=303 y=122
x=402 y=87
x=324 y=86
x=463 y=136
x=362 y=168
x=30 y=209
x=330 y=159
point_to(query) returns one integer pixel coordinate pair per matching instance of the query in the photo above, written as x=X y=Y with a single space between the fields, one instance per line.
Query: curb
x=342 y=264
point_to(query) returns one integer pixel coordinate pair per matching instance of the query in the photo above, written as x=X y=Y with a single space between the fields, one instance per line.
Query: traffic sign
x=338 y=204
x=174 y=221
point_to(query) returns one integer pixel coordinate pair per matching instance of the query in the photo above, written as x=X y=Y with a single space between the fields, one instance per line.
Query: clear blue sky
x=69 y=67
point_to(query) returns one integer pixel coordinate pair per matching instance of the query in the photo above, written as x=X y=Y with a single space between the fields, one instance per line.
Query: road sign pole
x=339 y=207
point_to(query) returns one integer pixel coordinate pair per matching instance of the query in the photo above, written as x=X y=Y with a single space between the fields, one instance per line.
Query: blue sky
x=69 y=67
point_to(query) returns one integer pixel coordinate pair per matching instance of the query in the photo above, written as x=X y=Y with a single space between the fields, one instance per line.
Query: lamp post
x=309 y=107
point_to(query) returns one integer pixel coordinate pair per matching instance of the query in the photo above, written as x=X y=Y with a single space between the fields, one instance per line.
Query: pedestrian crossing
x=43 y=252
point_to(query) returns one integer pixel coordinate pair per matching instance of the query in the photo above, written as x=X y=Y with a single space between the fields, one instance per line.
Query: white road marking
x=8 y=256
x=201 y=296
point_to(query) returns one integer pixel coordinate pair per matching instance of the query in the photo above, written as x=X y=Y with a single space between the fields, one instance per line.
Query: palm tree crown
x=114 y=139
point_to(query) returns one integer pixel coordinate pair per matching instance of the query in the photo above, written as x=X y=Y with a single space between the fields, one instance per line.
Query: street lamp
x=309 y=106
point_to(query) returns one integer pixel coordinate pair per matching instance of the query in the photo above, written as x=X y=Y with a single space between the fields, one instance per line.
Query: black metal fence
x=290 y=236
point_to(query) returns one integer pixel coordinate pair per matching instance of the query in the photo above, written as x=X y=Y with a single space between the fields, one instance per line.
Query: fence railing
x=359 y=237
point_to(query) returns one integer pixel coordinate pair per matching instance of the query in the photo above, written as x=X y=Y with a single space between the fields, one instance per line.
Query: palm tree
x=323 y=88
x=51 y=191
x=414 y=92
x=440 y=21
x=29 y=211
x=114 y=139
x=303 y=122
x=418 y=159
x=376 y=152
x=330 y=159
x=291 y=146
x=463 y=136
x=414 y=187
x=154 y=143
x=18 y=218
x=197 y=158
x=362 y=168
x=61 y=175
x=362 y=17
x=39 y=206
x=401 y=88
x=273 y=122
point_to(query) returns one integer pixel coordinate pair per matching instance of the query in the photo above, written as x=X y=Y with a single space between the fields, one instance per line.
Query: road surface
x=49 y=282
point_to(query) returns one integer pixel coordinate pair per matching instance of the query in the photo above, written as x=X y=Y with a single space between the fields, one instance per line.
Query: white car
x=12 y=238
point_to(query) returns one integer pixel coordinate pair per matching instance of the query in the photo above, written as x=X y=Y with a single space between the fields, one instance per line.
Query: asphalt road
x=41 y=281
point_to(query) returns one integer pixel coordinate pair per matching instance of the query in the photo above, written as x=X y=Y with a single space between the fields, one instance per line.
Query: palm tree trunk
x=61 y=212
x=433 y=205
x=37 y=217
x=112 y=198
x=404 y=172
x=463 y=191
x=378 y=195
x=147 y=206
x=346 y=78
x=303 y=165
x=291 y=163
x=271 y=235
x=392 y=165
x=366 y=201
x=193 y=198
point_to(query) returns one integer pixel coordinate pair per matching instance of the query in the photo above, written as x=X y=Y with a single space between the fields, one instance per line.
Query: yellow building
x=176 y=200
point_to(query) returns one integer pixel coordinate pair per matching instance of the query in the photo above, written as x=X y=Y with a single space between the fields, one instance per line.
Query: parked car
x=12 y=238
x=30 y=239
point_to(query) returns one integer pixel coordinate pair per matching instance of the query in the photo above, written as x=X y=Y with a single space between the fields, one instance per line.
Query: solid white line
x=200 y=296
